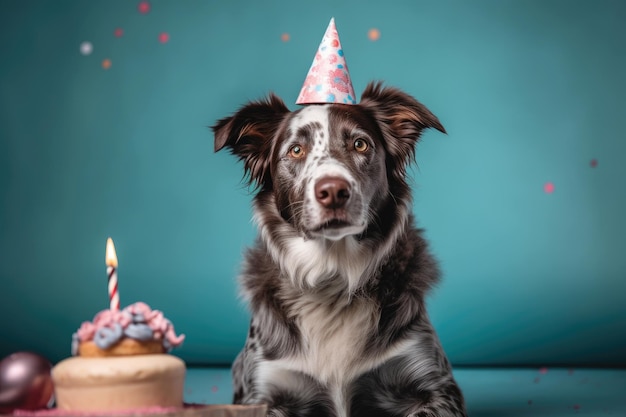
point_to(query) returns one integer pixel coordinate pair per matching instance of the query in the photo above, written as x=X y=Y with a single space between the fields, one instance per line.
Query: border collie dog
x=337 y=277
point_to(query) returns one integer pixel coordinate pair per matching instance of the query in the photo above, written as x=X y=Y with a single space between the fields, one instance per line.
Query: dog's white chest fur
x=333 y=336
x=333 y=339
x=333 y=325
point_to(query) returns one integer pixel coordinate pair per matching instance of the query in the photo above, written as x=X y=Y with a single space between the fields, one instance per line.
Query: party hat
x=328 y=80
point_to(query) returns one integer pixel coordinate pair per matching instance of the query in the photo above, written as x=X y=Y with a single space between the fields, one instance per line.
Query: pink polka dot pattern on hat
x=328 y=80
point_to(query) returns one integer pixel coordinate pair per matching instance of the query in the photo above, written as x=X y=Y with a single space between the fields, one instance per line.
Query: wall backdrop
x=104 y=108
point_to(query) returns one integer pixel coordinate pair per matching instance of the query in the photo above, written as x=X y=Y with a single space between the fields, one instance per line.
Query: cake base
x=119 y=383
x=190 y=410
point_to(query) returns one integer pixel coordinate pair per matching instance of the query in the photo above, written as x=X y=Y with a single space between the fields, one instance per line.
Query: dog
x=337 y=276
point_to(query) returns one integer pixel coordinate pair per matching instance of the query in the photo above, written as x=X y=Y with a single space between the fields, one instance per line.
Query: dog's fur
x=337 y=277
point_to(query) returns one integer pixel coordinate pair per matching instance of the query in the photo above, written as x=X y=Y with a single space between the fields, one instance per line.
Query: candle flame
x=111 y=257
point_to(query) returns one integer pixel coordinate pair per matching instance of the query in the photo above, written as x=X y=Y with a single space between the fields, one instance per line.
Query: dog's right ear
x=249 y=132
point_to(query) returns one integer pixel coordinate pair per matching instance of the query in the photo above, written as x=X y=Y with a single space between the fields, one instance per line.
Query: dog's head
x=331 y=168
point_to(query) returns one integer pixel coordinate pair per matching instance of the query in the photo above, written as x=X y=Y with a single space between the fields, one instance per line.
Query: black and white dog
x=337 y=278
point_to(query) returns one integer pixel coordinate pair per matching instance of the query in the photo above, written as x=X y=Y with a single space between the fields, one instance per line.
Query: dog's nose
x=332 y=192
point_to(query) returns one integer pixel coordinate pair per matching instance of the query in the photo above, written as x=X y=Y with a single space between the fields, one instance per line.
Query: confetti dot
x=373 y=34
x=593 y=163
x=530 y=402
x=143 y=7
x=106 y=64
x=576 y=407
x=285 y=37
x=549 y=189
x=537 y=380
x=543 y=370
x=118 y=32
x=86 y=48
x=164 y=37
x=214 y=388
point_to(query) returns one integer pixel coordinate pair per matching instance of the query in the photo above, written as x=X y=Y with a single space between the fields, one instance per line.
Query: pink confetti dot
x=143 y=7
x=164 y=37
x=549 y=189
x=544 y=370
x=285 y=37
x=593 y=163
x=106 y=64
x=118 y=32
x=373 y=34
x=576 y=407
x=214 y=388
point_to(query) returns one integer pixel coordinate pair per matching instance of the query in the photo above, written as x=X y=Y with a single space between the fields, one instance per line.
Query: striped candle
x=111 y=262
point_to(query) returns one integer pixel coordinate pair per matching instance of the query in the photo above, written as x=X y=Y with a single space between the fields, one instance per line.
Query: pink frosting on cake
x=137 y=321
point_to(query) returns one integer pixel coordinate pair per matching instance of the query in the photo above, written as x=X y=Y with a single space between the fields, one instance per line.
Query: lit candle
x=111 y=261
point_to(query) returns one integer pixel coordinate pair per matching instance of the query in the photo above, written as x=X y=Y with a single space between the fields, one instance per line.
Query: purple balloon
x=25 y=382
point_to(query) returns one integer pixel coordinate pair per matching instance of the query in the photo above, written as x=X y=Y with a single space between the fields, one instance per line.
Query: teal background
x=530 y=92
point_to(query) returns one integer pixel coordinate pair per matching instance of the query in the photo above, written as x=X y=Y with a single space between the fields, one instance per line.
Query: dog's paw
x=273 y=412
x=422 y=414
x=432 y=413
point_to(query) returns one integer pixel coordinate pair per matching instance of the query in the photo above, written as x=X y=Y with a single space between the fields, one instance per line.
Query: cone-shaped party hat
x=328 y=80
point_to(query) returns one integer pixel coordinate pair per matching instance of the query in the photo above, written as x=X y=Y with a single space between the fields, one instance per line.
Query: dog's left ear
x=401 y=118
x=249 y=132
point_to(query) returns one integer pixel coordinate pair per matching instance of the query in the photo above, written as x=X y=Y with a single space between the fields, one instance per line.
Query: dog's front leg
x=277 y=412
x=399 y=389
x=290 y=393
x=432 y=412
x=447 y=401
x=438 y=412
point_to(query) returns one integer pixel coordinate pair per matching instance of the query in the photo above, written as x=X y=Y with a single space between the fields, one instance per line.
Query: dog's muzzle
x=332 y=193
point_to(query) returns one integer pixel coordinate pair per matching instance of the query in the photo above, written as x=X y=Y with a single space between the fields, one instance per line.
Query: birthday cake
x=121 y=361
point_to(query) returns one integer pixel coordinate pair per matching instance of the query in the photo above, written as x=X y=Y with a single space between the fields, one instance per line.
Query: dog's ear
x=249 y=132
x=401 y=118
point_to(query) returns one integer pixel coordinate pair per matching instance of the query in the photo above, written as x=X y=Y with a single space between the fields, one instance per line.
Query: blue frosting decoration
x=138 y=331
x=108 y=336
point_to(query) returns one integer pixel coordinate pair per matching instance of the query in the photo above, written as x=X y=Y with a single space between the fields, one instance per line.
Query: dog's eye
x=360 y=145
x=296 y=151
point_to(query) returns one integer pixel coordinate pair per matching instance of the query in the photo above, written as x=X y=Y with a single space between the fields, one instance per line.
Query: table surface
x=489 y=392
